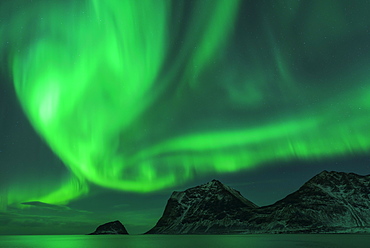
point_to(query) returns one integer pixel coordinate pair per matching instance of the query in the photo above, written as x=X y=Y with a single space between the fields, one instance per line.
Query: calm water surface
x=179 y=241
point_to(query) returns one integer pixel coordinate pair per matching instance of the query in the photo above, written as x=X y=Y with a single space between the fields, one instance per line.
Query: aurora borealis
x=143 y=96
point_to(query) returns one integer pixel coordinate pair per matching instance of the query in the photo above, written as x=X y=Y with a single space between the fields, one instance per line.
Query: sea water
x=192 y=241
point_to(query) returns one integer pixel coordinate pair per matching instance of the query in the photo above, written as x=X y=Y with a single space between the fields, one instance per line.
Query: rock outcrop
x=114 y=227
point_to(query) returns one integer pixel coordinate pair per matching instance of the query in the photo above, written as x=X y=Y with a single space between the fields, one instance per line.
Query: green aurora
x=143 y=95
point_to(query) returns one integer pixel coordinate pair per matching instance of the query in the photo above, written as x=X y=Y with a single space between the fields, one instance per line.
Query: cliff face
x=114 y=227
x=329 y=202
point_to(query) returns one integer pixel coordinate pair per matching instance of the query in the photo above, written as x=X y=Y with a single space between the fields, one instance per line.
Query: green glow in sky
x=139 y=95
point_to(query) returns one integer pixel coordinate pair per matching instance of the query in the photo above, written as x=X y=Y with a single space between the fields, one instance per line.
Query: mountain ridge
x=327 y=203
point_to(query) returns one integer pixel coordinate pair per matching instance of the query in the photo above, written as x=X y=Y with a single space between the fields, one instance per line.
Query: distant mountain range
x=331 y=202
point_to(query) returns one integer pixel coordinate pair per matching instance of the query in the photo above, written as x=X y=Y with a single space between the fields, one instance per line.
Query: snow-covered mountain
x=329 y=202
x=209 y=208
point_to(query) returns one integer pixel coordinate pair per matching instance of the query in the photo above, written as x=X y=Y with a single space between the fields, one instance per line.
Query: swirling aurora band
x=139 y=95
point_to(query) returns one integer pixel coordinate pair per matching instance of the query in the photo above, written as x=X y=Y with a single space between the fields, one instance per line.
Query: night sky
x=109 y=106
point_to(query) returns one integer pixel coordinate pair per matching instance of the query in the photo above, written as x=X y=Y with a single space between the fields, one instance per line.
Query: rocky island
x=114 y=227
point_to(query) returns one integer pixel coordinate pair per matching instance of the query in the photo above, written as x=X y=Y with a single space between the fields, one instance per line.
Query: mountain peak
x=212 y=183
x=215 y=181
x=334 y=178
